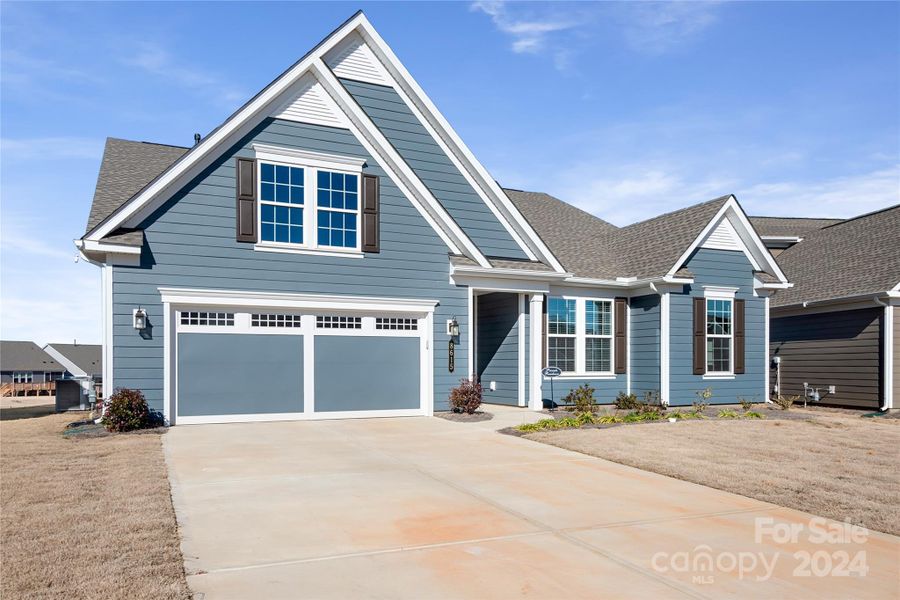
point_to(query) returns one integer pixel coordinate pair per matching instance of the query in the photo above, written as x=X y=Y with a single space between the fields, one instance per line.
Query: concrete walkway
x=426 y=508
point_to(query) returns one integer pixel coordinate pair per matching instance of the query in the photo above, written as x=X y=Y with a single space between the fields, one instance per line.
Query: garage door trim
x=243 y=303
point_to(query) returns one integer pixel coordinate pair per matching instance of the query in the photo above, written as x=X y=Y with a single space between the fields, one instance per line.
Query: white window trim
x=727 y=295
x=311 y=163
x=27 y=376
x=581 y=336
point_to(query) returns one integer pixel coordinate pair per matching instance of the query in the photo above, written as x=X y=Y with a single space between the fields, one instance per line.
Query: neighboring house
x=334 y=250
x=838 y=326
x=26 y=363
x=780 y=233
x=80 y=360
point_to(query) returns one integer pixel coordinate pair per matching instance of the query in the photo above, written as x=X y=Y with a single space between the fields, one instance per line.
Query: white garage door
x=261 y=364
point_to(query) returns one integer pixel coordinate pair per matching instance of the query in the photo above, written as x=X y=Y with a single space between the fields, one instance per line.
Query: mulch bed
x=478 y=416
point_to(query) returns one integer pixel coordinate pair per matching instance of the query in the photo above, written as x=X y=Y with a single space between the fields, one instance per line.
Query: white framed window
x=22 y=377
x=561 y=334
x=275 y=320
x=719 y=336
x=580 y=335
x=598 y=334
x=51 y=376
x=308 y=201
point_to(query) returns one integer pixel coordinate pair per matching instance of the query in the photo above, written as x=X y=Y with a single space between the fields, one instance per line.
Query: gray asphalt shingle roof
x=789 y=226
x=591 y=247
x=851 y=258
x=26 y=356
x=87 y=357
x=127 y=167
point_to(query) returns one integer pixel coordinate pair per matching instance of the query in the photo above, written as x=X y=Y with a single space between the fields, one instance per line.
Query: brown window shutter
x=371 y=228
x=739 y=337
x=245 y=225
x=699 y=336
x=620 y=320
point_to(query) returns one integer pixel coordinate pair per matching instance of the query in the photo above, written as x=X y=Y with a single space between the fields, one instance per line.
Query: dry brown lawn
x=84 y=517
x=834 y=465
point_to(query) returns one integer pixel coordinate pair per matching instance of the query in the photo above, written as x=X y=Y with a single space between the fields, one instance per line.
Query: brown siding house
x=835 y=333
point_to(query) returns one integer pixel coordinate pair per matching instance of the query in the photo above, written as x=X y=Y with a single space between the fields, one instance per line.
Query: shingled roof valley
x=591 y=247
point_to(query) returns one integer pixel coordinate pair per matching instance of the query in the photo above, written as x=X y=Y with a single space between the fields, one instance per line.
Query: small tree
x=582 y=398
x=126 y=410
x=466 y=397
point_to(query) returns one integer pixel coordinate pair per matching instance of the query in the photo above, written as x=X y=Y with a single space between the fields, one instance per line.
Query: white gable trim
x=722 y=237
x=307 y=105
x=353 y=59
x=459 y=153
x=752 y=246
x=242 y=122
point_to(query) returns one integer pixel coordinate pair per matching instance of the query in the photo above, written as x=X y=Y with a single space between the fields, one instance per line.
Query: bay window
x=580 y=335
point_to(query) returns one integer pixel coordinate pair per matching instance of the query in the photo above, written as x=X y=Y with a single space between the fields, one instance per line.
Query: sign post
x=551 y=372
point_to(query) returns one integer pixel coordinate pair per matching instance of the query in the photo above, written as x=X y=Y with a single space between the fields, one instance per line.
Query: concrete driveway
x=426 y=508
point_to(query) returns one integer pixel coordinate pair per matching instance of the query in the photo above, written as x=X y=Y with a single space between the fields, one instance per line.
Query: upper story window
x=337 y=201
x=580 y=335
x=281 y=200
x=719 y=335
x=308 y=206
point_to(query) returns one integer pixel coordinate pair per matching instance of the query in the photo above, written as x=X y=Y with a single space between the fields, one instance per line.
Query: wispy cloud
x=658 y=27
x=565 y=30
x=845 y=196
x=50 y=148
x=158 y=61
x=530 y=30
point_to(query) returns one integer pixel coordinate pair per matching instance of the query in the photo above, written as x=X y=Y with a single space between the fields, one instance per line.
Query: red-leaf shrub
x=127 y=410
x=466 y=397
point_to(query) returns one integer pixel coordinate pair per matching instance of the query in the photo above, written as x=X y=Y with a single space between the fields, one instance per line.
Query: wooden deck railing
x=43 y=388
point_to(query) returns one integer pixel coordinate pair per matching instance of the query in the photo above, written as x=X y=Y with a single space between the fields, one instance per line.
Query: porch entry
x=501 y=346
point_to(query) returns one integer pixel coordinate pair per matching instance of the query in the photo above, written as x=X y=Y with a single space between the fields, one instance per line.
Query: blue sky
x=626 y=110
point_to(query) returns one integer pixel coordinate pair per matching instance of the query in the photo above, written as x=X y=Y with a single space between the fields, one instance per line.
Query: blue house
x=335 y=250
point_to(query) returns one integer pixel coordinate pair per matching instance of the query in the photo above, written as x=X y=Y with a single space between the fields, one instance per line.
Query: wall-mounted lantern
x=453 y=327
x=140 y=319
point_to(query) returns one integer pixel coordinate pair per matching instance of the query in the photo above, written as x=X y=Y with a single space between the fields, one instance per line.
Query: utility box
x=72 y=394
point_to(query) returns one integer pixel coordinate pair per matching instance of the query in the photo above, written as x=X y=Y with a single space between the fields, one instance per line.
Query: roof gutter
x=570 y=278
x=876 y=298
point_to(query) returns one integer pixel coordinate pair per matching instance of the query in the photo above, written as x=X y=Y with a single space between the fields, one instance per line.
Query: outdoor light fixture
x=140 y=319
x=453 y=327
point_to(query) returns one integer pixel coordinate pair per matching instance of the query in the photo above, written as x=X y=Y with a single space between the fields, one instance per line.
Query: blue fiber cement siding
x=722 y=268
x=190 y=242
x=366 y=373
x=426 y=158
x=644 y=345
x=212 y=364
x=497 y=351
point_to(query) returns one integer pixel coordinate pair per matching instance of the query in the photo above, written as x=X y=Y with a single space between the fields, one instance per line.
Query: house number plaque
x=451 y=356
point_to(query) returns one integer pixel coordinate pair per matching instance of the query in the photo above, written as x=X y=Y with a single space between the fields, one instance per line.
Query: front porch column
x=536 y=320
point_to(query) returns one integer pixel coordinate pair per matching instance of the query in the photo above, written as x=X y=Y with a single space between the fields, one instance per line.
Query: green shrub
x=608 y=419
x=745 y=403
x=639 y=416
x=127 y=410
x=582 y=399
x=626 y=401
x=785 y=402
x=466 y=397
x=545 y=424
x=727 y=413
x=750 y=414
x=685 y=415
